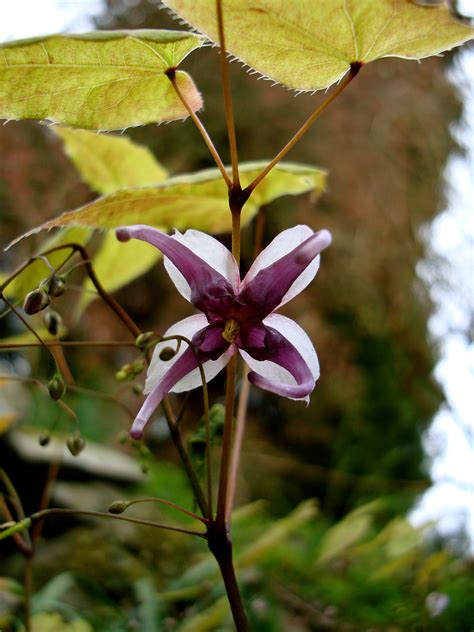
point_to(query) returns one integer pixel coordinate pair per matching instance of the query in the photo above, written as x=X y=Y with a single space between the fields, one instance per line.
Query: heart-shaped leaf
x=309 y=45
x=197 y=201
x=104 y=80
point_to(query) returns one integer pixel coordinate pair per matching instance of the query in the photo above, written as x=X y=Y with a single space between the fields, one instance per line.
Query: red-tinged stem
x=41 y=515
x=168 y=503
x=226 y=443
x=240 y=424
x=229 y=108
x=354 y=70
x=202 y=130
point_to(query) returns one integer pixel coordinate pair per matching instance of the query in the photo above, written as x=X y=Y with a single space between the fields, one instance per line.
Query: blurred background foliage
x=348 y=561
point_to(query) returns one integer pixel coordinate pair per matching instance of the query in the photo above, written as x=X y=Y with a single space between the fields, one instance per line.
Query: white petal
x=298 y=338
x=213 y=253
x=157 y=369
x=284 y=243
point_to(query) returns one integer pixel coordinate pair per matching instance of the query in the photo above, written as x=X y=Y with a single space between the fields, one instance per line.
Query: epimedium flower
x=235 y=315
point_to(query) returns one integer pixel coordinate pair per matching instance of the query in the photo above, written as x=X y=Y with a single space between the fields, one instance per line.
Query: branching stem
x=354 y=70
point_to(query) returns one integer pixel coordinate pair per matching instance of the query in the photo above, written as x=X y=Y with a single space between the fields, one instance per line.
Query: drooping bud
x=52 y=321
x=118 y=506
x=54 y=285
x=138 y=366
x=130 y=370
x=167 y=354
x=143 y=340
x=56 y=387
x=36 y=301
x=76 y=444
x=121 y=376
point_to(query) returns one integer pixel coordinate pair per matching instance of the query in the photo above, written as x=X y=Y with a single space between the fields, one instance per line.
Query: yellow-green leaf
x=30 y=278
x=349 y=531
x=309 y=45
x=197 y=201
x=108 y=162
x=116 y=264
x=104 y=80
x=28 y=337
x=53 y=622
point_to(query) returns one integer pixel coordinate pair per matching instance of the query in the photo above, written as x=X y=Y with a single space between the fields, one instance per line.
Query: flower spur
x=235 y=315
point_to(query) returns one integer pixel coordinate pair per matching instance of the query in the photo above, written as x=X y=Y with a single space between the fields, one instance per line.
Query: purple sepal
x=210 y=291
x=184 y=365
x=280 y=351
x=266 y=290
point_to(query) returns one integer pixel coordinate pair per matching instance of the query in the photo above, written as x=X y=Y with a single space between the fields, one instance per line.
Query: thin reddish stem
x=229 y=108
x=305 y=127
x=202 y=130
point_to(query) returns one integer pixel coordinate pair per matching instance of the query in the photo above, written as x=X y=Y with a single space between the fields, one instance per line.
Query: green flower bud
x=167 y=353
x=52 y=321
x=138 y=366
x=36 y=301
x=56 y=387
x=118 y=507
x=121 y=376
x=144 y=339
x=54 y=285
x=76 y=444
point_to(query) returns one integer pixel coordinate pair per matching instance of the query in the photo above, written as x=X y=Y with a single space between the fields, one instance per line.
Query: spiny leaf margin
x=106 y=80
x=308 y=46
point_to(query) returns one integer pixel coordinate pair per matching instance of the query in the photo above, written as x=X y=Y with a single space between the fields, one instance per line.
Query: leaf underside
x=108 y=162
x=310 y=45
x=197 y=201
x=105 y=80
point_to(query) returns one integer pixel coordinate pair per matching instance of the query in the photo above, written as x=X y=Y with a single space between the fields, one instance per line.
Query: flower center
x=231 y=330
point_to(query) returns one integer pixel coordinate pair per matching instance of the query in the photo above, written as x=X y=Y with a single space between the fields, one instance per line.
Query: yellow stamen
x=231 y=330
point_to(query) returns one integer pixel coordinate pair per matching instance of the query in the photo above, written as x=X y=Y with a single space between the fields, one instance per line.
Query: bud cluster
x=49 y=288
x=130 y=370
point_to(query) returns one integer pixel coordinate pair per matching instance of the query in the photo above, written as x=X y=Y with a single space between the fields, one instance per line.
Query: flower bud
x=167 y=354
x=36 y=301
x=121 y=376
x=56 y=387
x=54 y=285
x=144 y=339
x=118 y=507
x=52 y=321
x=138 y=366
x=75 y=445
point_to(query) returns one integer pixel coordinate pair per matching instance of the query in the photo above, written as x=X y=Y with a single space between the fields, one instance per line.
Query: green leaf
x=347 y=532
x=53 y=622
x=30 y=278
x=197 y=201
x=104 y=80
x=28 y=337
x=108 y=163
x=310 y=45
x=116 y=264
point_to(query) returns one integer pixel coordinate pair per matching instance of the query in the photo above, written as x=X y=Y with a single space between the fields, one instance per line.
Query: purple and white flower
x=235 y=315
